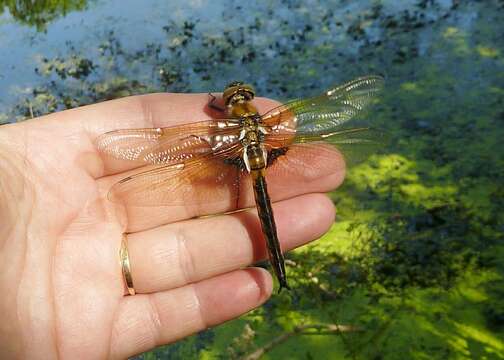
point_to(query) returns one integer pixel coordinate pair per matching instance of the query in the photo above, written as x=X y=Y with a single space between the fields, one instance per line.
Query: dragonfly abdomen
x=265 y=213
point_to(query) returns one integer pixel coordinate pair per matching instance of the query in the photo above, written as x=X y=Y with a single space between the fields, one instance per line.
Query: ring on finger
x=126 y=266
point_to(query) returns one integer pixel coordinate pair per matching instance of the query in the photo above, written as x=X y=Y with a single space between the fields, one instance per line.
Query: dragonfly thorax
x=252 y=132
x=255 y=157
x=251 y=138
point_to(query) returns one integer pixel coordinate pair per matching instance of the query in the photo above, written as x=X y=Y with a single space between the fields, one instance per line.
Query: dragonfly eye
x=234 y=83
x=238 y=91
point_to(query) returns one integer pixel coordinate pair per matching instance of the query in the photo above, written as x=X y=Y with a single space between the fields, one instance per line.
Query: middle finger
x=303 y=171
x=177 y=254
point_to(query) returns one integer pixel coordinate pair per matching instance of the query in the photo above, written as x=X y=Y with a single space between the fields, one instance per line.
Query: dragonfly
x=215 y=160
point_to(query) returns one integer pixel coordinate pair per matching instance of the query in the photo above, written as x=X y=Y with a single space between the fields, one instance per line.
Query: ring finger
x=180 y=253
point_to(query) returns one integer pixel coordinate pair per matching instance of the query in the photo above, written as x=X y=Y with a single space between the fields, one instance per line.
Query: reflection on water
x=39 y=13
x=195 y=46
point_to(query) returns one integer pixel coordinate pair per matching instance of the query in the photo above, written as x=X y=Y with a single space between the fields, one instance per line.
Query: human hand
x=63 y=293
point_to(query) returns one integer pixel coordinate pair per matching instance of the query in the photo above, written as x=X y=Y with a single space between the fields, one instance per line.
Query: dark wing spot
x=275 y=154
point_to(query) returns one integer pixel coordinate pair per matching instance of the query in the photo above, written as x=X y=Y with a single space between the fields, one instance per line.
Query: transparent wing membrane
x=355 y=145
x=330 y=118
x=206 y=179
x=170 y=145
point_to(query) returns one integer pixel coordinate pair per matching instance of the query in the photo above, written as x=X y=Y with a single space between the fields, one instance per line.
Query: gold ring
x=126 y=267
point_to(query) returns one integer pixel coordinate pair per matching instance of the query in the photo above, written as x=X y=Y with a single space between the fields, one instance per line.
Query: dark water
x=416 y=256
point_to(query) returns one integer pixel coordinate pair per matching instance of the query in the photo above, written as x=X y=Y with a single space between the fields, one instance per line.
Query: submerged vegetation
x=40 y=13
x=414 y=265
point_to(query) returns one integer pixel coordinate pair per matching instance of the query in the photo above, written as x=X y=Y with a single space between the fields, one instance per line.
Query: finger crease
x=155 y=324
x=186 y=260
x=203 y=322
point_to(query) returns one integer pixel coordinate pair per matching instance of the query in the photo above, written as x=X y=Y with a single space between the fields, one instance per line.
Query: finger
x=72 y=132
x=146 y=321
x=315 y=170
x=163 y=110
x=178 y=254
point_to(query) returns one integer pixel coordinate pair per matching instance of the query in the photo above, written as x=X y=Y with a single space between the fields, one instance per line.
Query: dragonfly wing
x=328 y=111
x=302 y=165
x=169 y=145
x=354 y=144
x=203 y=179
x=331 y=118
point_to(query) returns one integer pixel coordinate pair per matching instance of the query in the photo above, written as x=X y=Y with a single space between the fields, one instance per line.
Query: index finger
x=81 y=126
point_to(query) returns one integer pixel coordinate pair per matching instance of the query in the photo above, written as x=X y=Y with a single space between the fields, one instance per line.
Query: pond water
x=415 y=257
x=203 y=46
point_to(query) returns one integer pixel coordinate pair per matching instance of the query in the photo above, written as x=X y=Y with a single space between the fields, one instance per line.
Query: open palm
x=62 y=292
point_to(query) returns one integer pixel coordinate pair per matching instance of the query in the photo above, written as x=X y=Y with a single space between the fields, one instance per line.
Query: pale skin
x=61 y=285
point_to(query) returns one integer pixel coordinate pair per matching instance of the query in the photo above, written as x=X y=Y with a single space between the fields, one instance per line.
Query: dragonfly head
x=236 y=92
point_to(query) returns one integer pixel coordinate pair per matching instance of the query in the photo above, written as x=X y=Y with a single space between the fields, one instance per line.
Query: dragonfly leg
x=240 y=164
x=275 y=154
x=213 y=103
x=237 y=204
